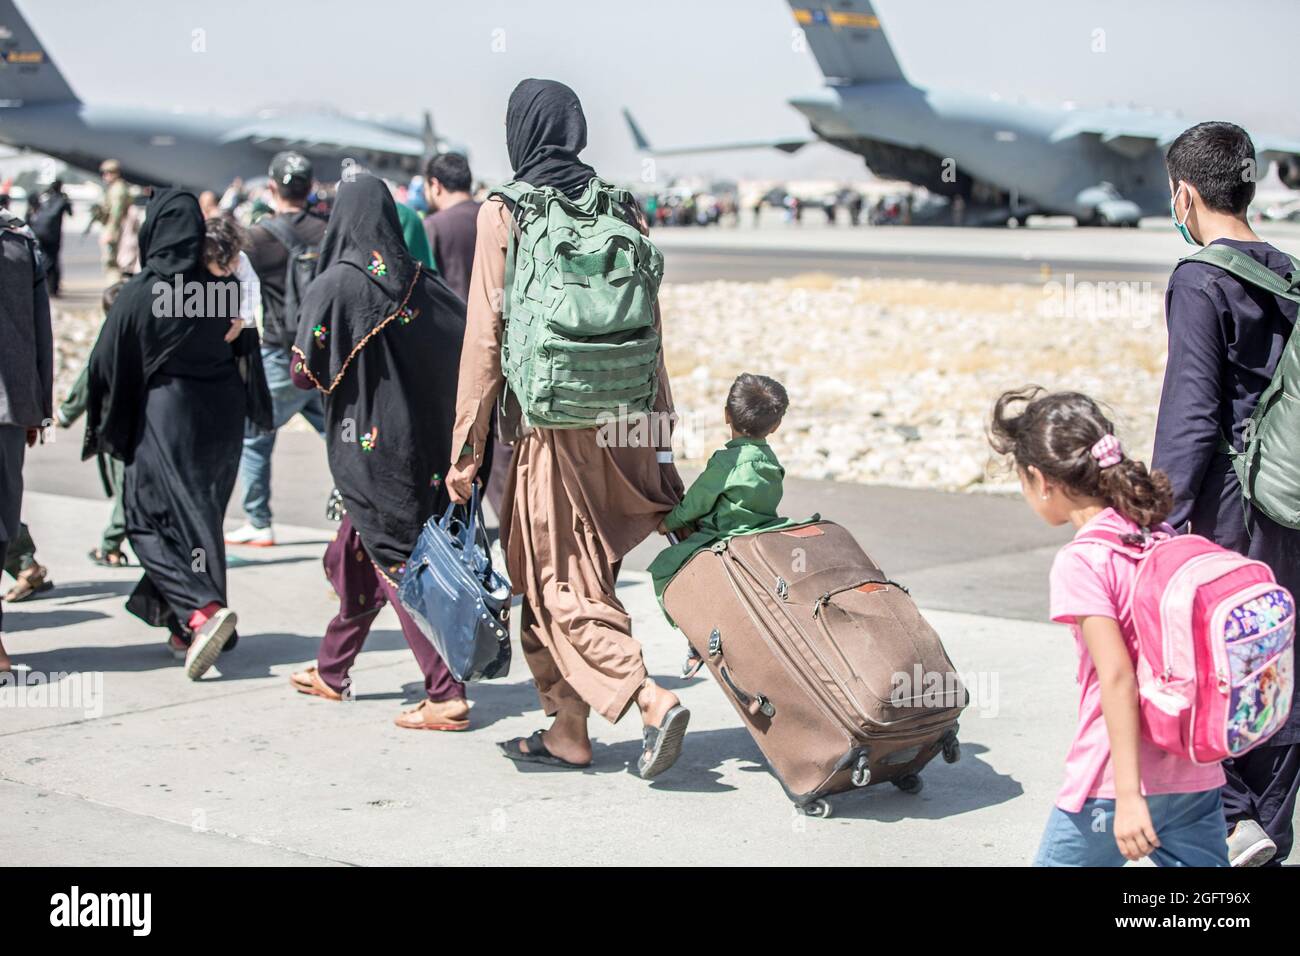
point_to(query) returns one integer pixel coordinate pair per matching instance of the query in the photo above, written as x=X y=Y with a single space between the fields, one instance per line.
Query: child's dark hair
x=1055 y=432
x=222 y=241
x=110 y=295
x=756 y=404
x=1219 y=160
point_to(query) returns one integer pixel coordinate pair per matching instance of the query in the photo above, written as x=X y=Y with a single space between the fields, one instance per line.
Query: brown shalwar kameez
x=576 y=509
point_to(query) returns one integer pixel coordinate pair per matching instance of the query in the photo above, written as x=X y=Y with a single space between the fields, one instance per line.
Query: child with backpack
x=1229 y=409
x=1142 y=775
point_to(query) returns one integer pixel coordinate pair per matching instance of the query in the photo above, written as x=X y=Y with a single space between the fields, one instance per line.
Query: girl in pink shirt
x=1123 y=797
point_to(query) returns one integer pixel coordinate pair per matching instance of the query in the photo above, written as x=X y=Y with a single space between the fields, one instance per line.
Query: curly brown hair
x=1055 y=431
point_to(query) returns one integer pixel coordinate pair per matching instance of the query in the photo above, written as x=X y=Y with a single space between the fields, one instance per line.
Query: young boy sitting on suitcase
x=740 y=488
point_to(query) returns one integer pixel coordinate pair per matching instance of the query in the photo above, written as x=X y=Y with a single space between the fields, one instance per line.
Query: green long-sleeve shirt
x=739 y=489
x=738 y=493
x=417 y=243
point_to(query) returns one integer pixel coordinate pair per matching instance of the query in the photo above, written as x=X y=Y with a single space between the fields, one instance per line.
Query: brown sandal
x=31 y=581
x=309 y=682
x=424 y=716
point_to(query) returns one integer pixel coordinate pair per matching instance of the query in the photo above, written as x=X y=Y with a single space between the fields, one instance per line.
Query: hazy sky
x=690 y=70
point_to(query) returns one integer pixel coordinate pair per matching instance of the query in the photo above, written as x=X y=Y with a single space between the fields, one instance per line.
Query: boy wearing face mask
x=1225 y=340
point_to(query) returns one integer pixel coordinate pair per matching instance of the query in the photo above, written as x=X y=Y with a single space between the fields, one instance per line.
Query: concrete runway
x=970 y=553
x=774 y=250
x=150 y=768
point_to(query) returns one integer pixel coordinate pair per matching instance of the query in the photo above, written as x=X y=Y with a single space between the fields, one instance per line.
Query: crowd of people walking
x=388 y=339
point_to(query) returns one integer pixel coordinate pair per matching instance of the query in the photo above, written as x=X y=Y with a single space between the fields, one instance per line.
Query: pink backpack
x=1215 y=634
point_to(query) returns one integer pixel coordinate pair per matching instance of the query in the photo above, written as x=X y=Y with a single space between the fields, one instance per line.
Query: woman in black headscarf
x=380 y=336
x=170 y=381
x=577 y=505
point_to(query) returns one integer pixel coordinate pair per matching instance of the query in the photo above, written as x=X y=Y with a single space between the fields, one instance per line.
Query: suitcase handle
x=754 y=703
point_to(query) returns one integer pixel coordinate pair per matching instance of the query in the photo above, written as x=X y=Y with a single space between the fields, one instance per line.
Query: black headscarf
x=545 y=132
x=135 y=342
x=381 y=337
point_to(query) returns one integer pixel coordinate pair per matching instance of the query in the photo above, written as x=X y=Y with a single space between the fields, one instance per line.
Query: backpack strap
x=1129 y=545
x=1248 y=270
x=284 y=234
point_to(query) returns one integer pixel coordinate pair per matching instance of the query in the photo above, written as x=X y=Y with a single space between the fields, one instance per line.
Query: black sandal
x=536 y=752
x=104 y=558
x=663 y=744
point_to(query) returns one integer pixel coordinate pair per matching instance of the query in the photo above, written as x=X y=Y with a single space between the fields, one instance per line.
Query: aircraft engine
x=1288 y=170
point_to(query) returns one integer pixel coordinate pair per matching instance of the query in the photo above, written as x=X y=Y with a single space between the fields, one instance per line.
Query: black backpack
x=298 y=271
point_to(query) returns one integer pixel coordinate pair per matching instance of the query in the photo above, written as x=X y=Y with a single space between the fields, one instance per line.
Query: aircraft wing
x=786 y=145
x=1131 y=134
x=326 y=134
x=1128 y=133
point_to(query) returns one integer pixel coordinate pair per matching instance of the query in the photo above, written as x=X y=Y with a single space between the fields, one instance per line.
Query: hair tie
x=1108 y=451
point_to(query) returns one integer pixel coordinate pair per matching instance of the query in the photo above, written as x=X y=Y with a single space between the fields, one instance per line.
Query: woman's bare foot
x=567 y=738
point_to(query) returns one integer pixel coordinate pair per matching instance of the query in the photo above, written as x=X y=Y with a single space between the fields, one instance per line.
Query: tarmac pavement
x=146 y=767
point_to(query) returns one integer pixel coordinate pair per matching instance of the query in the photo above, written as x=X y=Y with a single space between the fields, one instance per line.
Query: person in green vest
x=740 y=488
x=417 y=243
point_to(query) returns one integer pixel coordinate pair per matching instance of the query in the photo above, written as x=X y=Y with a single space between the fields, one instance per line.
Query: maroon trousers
x=363 y=592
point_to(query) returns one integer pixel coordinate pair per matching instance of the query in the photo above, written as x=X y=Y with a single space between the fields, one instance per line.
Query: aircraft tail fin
x=27 y=74
x=848 y=41
x=638 y=137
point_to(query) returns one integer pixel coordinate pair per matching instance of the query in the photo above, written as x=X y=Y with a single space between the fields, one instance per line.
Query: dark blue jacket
x=1225 y=341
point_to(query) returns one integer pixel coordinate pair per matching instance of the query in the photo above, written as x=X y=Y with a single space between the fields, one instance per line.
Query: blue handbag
x=458 y=600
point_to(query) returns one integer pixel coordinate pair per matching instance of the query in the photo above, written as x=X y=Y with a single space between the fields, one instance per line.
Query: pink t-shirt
x=1090 y=580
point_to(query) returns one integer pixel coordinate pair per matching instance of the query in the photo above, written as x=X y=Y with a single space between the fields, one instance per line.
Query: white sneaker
x=1249 y=845
x=209 y=640
x=253 y=537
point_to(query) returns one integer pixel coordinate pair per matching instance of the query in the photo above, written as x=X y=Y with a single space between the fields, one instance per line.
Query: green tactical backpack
x=1268 y=465
x=580 y=345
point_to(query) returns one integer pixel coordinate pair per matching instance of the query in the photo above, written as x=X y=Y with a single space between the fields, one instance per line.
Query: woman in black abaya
x=168 y=395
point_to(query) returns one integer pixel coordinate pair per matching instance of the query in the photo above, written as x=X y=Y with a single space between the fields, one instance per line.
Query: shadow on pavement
x=234 y=561
x=78 y=592
x=950 y=789
x=18 y=621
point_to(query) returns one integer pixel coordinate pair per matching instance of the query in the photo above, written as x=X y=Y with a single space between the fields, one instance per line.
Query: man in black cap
x=291 y=230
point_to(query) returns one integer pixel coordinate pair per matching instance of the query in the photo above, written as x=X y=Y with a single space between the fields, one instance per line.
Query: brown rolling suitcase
x=830 y=665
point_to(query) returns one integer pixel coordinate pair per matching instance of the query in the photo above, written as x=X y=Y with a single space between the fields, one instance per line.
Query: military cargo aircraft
x=1005 y=160
x=39 y=111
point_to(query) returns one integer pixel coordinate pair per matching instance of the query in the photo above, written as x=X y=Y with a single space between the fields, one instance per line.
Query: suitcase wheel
x=951 y=750
x=911 y=783
x=820 y=808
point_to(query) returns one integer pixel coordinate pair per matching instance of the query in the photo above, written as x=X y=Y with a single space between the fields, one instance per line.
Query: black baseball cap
x=290 y=168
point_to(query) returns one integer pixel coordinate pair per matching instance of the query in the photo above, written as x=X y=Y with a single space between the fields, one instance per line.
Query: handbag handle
x=475 y=532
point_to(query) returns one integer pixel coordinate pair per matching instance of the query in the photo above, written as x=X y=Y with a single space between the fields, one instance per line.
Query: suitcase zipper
x=833 y=711
x=831 y=715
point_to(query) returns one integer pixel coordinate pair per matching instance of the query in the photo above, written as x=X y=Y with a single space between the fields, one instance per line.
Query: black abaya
x=181 y=477
x=168 y=398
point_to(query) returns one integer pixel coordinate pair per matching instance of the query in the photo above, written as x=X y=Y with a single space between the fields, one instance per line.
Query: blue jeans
x=287 y=400
x=1189 y=825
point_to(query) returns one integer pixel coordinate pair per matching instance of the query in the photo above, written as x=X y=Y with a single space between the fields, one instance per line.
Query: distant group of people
x=389 y=343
